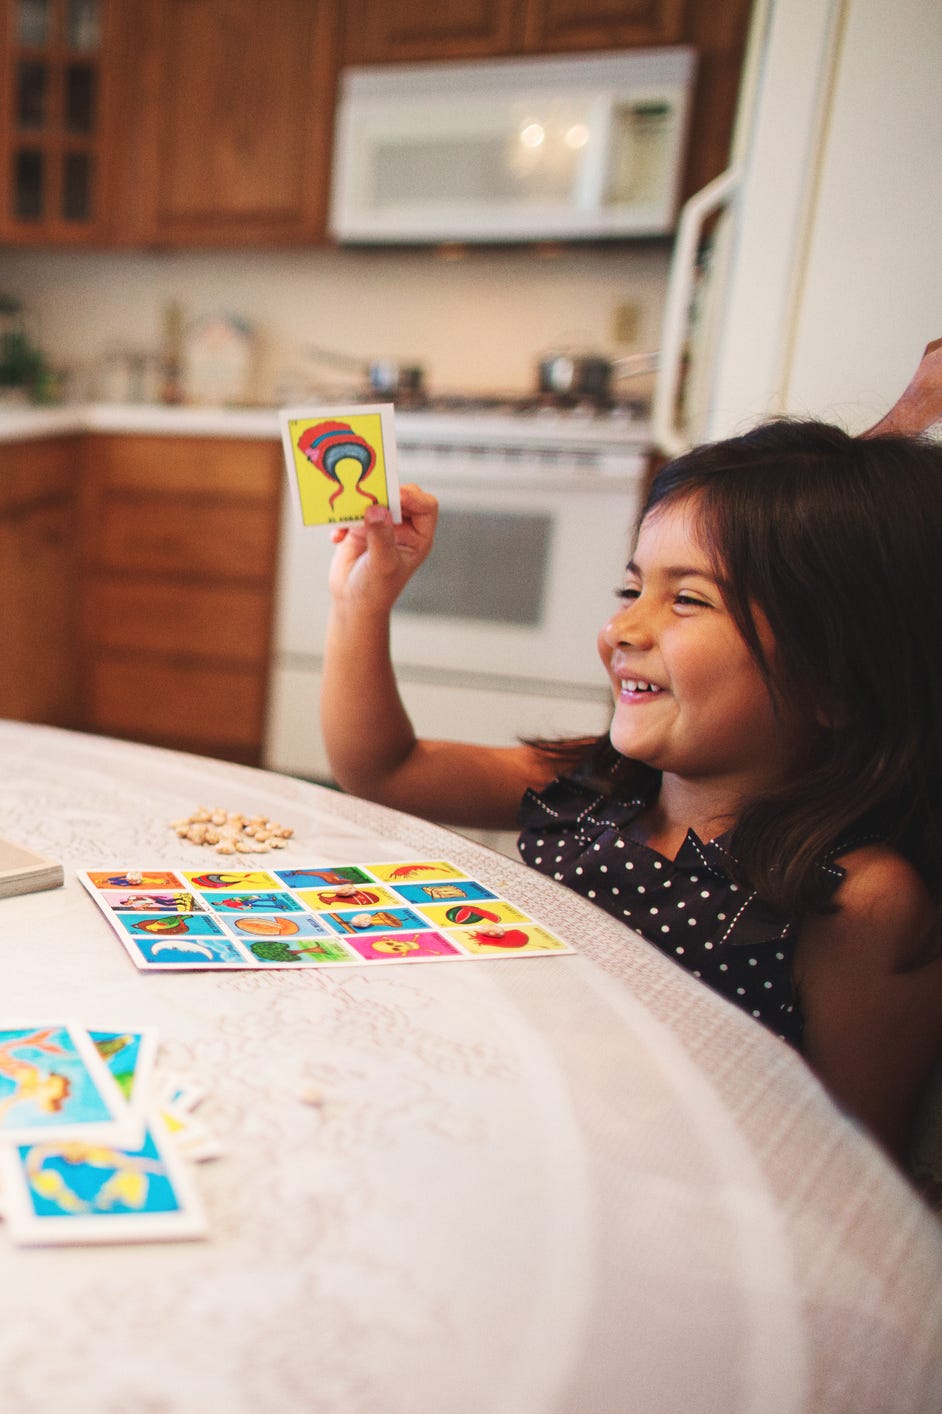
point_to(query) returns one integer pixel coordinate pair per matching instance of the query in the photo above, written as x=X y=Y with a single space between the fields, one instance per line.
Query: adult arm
x=870 y=986
x=371 y=743
x=920 y=404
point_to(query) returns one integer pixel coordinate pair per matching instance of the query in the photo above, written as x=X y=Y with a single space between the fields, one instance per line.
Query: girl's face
x=690 y=699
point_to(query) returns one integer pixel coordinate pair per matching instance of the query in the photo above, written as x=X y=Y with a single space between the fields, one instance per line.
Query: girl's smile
x=634 y=687
x=690 y=698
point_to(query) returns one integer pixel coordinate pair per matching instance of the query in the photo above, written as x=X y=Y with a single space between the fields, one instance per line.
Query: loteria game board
x=322 y=916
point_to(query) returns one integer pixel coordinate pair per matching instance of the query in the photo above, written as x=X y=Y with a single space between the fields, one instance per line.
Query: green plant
x=21 y=363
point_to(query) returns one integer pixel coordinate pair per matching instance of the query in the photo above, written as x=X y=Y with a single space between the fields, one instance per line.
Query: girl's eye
x=690 y=601
x=627 y=591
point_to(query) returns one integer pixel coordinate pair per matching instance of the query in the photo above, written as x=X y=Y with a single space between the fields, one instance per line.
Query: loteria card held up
x=340 y=461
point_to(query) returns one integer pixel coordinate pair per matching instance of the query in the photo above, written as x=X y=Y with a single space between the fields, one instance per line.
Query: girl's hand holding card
x=374 y=560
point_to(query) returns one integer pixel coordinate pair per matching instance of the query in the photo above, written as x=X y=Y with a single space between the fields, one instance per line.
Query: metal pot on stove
x=589 y=377
x=385 y=378
x=392 y=379
x=575 y=375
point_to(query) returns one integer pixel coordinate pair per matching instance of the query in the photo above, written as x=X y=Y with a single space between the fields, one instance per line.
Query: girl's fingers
x=416 y=503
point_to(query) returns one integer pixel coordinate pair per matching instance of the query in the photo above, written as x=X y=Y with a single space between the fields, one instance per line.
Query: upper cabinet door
x=428 y=29
x=57 y=119
x=470 y=29
x=568 y=25
x=234 y=106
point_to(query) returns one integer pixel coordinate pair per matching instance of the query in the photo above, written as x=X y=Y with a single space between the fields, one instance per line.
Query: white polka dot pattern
x=689 y=907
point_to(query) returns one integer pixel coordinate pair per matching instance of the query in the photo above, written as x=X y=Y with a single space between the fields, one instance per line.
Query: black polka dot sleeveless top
x=689 y=907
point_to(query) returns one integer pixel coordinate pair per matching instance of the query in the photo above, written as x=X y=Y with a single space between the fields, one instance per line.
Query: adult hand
x=920 y=405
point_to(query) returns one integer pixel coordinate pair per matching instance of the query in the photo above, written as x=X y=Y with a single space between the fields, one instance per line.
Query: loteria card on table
x=88 y=1182
x=318 y=916
x=55 y=1085
x=130 y=1056
x=340 y=461
x=61 y=1192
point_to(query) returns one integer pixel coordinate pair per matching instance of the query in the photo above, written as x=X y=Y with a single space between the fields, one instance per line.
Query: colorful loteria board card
x=317 y=916
x=75 y=1191
x=54 y=1085
x=341 y=460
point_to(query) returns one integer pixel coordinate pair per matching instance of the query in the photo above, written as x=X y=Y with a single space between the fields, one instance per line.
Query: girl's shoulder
x=883 y=909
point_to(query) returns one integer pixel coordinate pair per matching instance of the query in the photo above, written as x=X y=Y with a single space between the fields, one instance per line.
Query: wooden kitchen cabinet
x=188 y=123
x=179 y=537
x=230 y=121
x=718 y=33
x=59 y=119
x=427 y=29
x=470 y=29
x=38 y=576
x=565 y=26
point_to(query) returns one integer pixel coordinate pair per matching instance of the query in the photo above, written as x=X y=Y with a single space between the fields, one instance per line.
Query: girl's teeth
x=633 y=685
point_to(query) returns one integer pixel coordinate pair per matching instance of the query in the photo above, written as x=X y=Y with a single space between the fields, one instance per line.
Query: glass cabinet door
x=53 y=127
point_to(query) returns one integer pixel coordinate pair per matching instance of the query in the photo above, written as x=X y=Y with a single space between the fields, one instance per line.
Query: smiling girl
x=767 y=806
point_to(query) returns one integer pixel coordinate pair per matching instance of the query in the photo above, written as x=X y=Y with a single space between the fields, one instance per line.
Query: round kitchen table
x=579 y=1184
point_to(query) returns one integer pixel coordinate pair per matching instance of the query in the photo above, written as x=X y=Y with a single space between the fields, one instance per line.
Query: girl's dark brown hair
x=838 y=541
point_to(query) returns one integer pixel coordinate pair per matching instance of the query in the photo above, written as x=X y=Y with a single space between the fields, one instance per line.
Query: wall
x=838 y=224
x=879 y=196
x=477 y=323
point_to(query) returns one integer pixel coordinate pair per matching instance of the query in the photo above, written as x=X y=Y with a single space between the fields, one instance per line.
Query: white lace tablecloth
x=569 y=1185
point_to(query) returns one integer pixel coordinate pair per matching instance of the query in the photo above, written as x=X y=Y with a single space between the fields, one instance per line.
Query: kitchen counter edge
x=23 y=424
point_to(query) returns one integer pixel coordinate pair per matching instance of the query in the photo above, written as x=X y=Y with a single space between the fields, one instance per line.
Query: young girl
x=767 y=807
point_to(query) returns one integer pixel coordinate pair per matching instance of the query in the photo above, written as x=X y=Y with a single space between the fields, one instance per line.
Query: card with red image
x=340 y=461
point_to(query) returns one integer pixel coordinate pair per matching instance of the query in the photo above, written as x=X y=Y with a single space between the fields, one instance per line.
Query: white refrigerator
x=808 y=278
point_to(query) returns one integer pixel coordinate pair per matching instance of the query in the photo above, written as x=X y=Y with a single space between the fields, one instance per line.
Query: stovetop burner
x=549 y=405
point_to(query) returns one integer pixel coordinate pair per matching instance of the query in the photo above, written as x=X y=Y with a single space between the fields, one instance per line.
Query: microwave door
x=445 y=172
x=590 y=137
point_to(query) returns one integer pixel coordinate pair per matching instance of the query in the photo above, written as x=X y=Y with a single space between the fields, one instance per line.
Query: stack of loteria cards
x=90 y=1149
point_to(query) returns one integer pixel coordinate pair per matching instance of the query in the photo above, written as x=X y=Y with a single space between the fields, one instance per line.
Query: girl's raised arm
x=371 y=744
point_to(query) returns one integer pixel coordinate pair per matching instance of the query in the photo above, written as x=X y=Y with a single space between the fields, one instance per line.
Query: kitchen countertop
x=21 y=424
x=26 y=423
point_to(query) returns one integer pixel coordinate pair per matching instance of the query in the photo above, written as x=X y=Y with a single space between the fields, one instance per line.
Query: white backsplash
x=477 y=324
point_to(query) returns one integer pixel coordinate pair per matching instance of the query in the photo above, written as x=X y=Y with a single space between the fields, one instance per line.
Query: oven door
x=518 y=583
x=495 y=636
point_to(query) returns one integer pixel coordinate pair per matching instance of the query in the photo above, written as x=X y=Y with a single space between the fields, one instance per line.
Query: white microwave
x=573 y=148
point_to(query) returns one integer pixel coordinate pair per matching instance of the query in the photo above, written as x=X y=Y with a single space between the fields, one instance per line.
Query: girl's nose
x=627 y=625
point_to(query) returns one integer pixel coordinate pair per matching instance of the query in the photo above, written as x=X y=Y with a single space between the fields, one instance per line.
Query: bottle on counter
x=171 y=389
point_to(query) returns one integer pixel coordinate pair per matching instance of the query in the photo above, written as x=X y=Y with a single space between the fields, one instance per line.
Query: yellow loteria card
x=341 y=461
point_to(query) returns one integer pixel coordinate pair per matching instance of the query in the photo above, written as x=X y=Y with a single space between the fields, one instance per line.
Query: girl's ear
x=832 y=716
